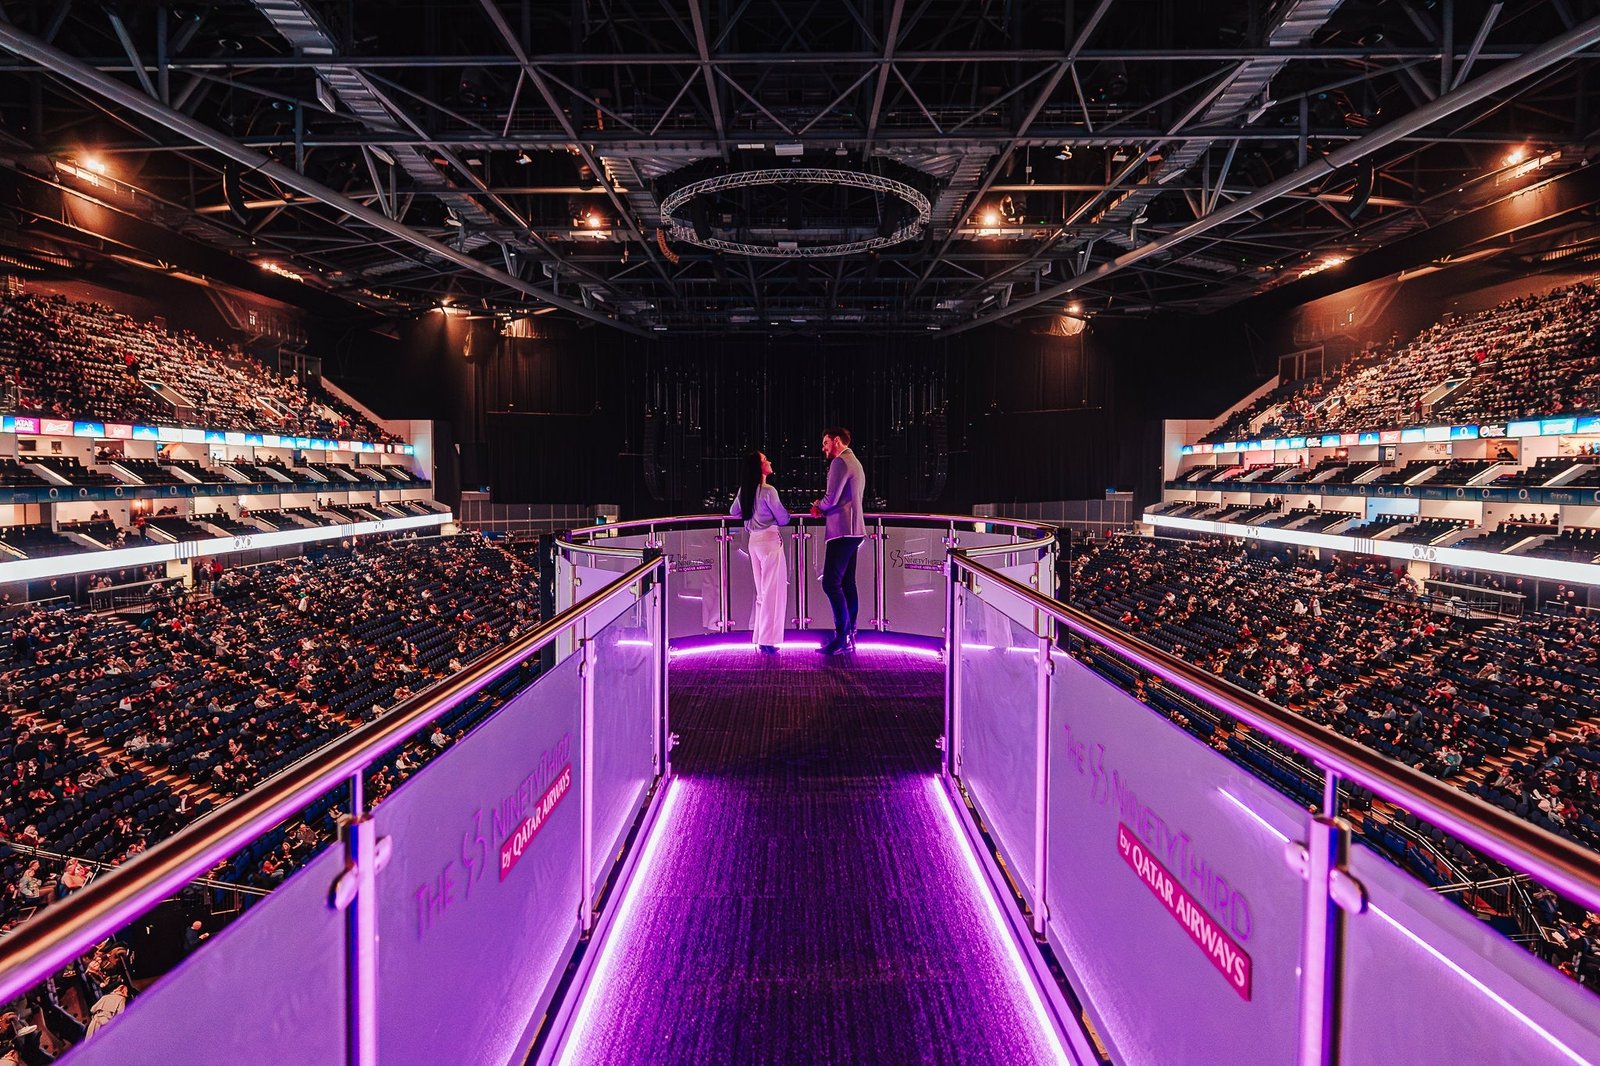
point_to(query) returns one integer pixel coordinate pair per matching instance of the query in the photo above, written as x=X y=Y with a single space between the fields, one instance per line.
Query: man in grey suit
x=846 y=527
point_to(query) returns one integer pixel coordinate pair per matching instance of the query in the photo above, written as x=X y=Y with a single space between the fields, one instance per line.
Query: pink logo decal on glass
x=1224 y=953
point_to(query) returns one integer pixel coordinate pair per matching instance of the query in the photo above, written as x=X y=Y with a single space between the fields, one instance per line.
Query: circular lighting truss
x=921 y=209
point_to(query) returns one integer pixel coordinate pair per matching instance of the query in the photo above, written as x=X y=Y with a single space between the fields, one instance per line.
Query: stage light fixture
x=1515 y=156
x=991 y=217
x=94 y=163
x=1064 y=154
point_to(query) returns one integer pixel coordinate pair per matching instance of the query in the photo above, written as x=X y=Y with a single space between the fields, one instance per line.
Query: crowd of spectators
x=120 y=728
x=1498 y=706
x=1530 y=356
x=115 y=721
x=72 y=359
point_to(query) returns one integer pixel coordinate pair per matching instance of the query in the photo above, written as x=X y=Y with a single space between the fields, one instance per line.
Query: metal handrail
x=100 y=865
x=59 y=932
x=1562 y=864
x=1043 y=530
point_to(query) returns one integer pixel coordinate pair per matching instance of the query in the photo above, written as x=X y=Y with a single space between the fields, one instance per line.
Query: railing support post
x=724 y=599
x=802 y=607
x=658 y=609
x=586 y=769
x=1041 y=779
x=952 y=674
x=879 y=600
x=356 y=893
x=1319 y=950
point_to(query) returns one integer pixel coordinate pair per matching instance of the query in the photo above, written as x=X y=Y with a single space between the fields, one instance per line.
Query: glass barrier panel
x=998 y=725
x=817 y=606
x=1169 y=897
x=967 y=537
x=478 y=908
x=624 y=762
x=580 y=573
x=913 y=580
x=742 y=581
x=268 y=989
x=1470 y=995
x=693 y=580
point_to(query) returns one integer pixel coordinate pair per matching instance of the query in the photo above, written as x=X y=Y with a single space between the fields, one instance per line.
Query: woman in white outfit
x=763 y=513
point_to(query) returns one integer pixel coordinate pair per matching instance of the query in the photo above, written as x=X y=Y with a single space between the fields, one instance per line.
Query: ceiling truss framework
x=1095 y=157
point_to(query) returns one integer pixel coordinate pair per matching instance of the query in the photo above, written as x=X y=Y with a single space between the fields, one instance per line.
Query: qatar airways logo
x=1219 y=948
x=498 y=835
x=516 y=844
x=1212 y=910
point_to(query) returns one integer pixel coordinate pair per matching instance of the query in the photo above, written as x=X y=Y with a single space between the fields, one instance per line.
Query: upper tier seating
x=149 y=471
x=38 y=542
x=75 y=472
x=76 y=359
x=1531 y=356
x=203 y=474
x=13 y=475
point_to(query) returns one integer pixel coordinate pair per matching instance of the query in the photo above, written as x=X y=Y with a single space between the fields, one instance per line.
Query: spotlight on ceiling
x=1515 y=156
x=1065 y=153
x=523 y=158
x=991 y=217
x=93 y=162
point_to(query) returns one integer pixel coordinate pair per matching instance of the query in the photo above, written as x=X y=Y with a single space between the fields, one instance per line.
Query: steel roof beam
x=120 y=94
x=596 y=168
x=1555 y=51
x=121 y=65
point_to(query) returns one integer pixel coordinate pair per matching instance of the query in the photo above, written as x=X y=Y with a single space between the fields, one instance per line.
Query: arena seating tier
x=110 y=717
x=1530 y=356
x=74 y=359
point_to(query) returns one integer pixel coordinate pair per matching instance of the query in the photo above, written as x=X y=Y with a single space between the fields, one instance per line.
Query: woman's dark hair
x=749 y=484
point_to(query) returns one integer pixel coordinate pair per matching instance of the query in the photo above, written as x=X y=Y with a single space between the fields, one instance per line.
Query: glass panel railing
x=267 y=989
x=1168 y=895
x=588 y=574
x=694 y=580
x=1197 y=868
x=1467 y=989
x=484 y=877
x=899 y=568
x=742 y=582
x=913 y=580
x=626 y=730
x=818 y=612
x=997 y=729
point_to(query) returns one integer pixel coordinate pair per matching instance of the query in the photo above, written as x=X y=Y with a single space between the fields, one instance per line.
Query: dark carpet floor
x=806 y=902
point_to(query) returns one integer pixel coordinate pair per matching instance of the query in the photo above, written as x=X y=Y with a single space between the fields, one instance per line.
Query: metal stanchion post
x=1041 y=775
x=881 y=558
x=586 y=765
x=1328 y=891
x=724 y=599
x=355 y=892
